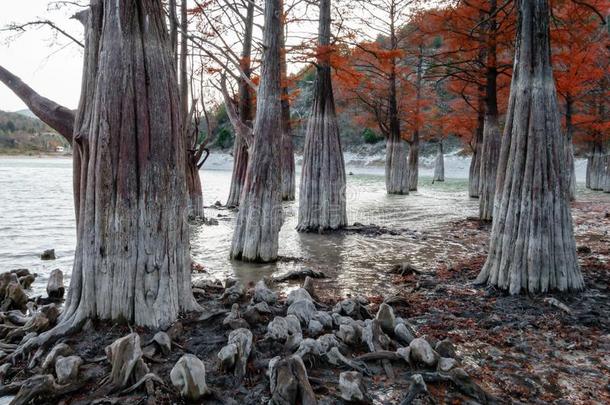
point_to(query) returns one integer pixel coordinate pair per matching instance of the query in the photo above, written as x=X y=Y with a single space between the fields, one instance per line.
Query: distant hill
x=22 y=133
x=26 y=113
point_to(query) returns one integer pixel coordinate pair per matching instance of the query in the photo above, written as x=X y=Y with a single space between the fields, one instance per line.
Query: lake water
x=36 y=213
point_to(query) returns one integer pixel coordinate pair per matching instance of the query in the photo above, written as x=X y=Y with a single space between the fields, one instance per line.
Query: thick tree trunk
x=396 y=165
x=193 y=180
x=474 y=174
x=322 y=191
x=240 y=147
x=595 y=166
x=287 y=151
x=491 y=128
x=489 y=166
x=413 y=158
x=571 y=172
x=260 y=215
x=439 y=163
x=413 y=161
x=606 y=175
x=132 y=256
x=532 y=245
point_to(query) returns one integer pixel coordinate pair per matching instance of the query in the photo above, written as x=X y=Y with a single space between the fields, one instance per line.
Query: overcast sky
x=52 y=66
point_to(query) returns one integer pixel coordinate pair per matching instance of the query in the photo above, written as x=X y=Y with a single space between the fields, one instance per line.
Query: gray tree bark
x=240 y=147
x=474 y=174
x=491 y=128
x=322 y=202
x=532 y=246
x=439 y=163
x=571 y=173
x=287 y=151
x=193 y=180
x=413 y=161
x=595 y=166
x=396 y=165
x=132 y=258
x=606 y=175
x=260 y=215
x=413 y=157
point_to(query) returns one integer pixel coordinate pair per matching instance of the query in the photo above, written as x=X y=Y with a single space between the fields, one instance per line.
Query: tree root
x=147 y=377
x=379 y=355
x=45 y=340
x=418 y=386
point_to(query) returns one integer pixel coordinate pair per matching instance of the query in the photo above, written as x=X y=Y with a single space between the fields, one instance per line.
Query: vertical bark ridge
x=571 y=173
x=532 y=246
x=413 y=161
x=491 y=128
x=474 y=174
x=322 y=202
x=240 y=148
x=413 y=157
x=260 y=216
x=396 y=165
x=287 y=151
x=439 y=163
x=132 y=257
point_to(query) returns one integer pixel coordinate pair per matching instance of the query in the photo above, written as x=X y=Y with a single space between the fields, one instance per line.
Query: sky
x=50 y=65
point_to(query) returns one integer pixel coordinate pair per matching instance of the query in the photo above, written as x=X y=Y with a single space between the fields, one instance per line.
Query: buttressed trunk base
x=532 y=246
x=322 y=193
x=255 y=238
x=132 y=259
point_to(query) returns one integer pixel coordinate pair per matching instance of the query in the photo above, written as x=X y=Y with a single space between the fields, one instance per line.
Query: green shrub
x=370 y=136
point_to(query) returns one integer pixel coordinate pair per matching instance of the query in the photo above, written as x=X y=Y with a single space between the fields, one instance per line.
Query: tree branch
x=54 y=115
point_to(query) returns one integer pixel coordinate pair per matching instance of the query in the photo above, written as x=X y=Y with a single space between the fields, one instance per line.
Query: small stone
x=252 y=316
x=263 y=308
x=227 y=357
x=48 y=254
x=405 y=353
x=324 y=318
x=446 y=363
x=15 y=298
x=26 y=281
x=281 y=328
x=51 y=311
x=188 y=376
x=264 y=294
x=445 y=348
x=352 y=387
x=385 y=316
x=66 y=368
x=233 y=294
x=298 y=295
x=349 y=335
x=421 y=352
x=55 y=285
x=403 y=333
x=315 y=328
x=20 y=272
x=304 y=310
x=308 y=285
x=309 y=347
x=327 y=342
x=164 y=343
x=60 y=349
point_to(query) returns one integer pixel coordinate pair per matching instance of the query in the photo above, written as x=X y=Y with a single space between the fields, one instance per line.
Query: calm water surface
x=36 y=213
